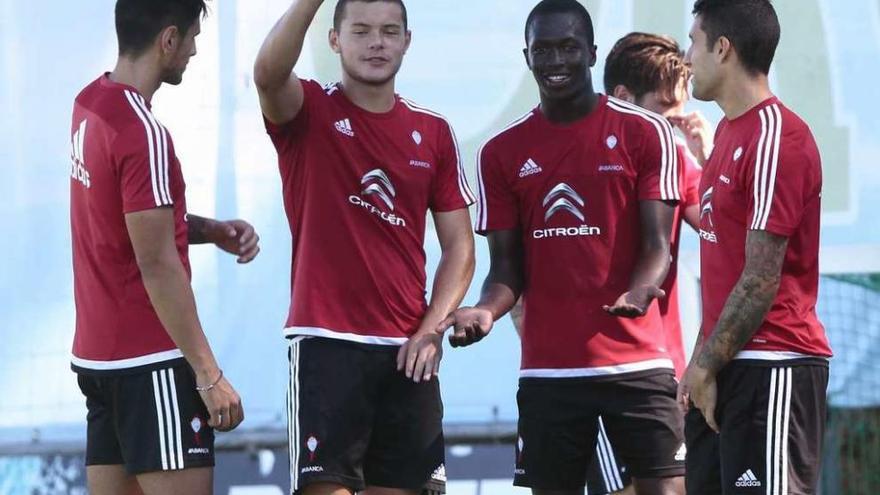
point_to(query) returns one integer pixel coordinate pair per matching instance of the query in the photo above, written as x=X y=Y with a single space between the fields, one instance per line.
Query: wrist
x=204 y=386
x=206 y=372
x=491 y=309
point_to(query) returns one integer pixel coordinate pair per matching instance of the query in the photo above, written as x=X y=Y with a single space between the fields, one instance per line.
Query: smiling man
x=577 y=200
x=360 y=169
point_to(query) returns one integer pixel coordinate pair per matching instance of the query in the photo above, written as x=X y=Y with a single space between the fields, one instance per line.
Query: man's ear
x=333 y=38
x=526 y=55
x=169 y=40
x=621 y=92
x=723 y=49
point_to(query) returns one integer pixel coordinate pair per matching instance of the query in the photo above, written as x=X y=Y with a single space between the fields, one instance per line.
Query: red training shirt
x=123 y=161
x=574 y=192
x=357 y=187
x=765 y=173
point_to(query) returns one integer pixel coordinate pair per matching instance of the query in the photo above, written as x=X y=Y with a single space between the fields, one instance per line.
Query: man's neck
x=566 y=112
x=376 y=99
x=139 y=74
x=743 y=92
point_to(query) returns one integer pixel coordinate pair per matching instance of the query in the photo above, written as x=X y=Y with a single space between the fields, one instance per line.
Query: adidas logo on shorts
x=747 y=480
x=682 y=453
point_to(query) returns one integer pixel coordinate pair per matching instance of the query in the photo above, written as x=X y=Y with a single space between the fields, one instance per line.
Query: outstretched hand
x=471 y=325
x=635 y=303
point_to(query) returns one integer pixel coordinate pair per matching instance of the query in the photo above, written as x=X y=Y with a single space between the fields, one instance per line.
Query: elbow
x=470 y=258
x=658 y=250
x=261 y=77
x=463 y=252
x=153 y=264
x=265 y=78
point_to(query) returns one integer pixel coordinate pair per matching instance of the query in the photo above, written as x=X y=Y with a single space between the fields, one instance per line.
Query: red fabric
x=534 y=176
x=765 y=174
x=669 y=307
x=358 y=264
x=123 y=161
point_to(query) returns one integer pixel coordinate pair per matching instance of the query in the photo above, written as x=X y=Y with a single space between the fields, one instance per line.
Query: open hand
x=635 y=303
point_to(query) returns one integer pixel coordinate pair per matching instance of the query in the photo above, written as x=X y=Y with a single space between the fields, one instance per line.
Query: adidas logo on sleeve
x=747 y=479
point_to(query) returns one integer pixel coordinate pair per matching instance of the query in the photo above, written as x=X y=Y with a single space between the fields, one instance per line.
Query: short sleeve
x=142 y=154
x=285 y=135
x=497 y=206
x=659 y=170
x=784 y=180
x=450 y=190
x=691 y=175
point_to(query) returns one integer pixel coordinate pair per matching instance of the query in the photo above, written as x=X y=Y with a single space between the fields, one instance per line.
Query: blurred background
x=466 y=63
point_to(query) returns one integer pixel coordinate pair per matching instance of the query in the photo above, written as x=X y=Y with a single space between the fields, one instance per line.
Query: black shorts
x=147 y=421
x=772 y=420
x=559 y=423
x=356 y=421
x=607 y=472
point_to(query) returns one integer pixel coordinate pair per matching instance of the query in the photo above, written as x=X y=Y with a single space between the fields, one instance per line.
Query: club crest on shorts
x=196 y=425
x=519 y=449
x=312 y=445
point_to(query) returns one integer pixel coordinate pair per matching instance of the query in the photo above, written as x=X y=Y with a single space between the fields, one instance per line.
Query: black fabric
x=558 y=424
x=148 y=421
x=357 y=421
x=790 y=398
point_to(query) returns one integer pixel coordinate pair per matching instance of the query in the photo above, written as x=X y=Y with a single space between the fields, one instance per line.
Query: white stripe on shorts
x=607 y=462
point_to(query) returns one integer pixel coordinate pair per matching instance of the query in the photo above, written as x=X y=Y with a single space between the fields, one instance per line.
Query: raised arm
x=420 y=356
x=281 y=93
x=168 y=286
x=653 y=262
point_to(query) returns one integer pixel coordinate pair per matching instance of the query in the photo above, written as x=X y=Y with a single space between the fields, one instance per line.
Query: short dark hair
x=644 y=63
x=339 y=13
x=751 y=26
x=546 y=7
x=138 y=22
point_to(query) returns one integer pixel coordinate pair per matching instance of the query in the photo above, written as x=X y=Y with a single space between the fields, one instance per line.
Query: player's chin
x=173 y=78
x=376 y=76
x=559 y=92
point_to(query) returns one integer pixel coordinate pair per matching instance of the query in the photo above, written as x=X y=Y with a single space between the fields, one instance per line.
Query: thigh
x=331 y=396
x=645 y=425
x=162 y=422
x=772 y=426
x=111 y=480
x=191 y=481
x=102 y=444
x=606 y=472
x=703 y=461
x=557 y=431
x=809 y=385
x=406 y=451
